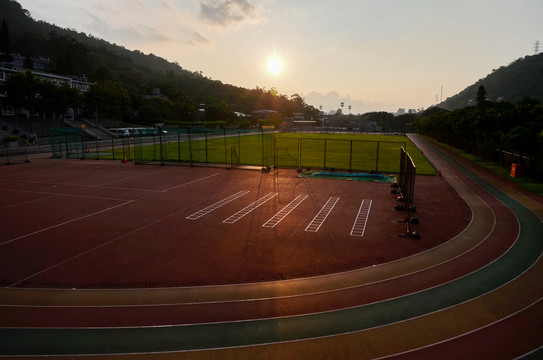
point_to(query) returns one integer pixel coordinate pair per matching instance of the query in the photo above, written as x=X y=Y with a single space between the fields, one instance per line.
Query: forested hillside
x=122 y=77
x=502 y=132
x=522 y=78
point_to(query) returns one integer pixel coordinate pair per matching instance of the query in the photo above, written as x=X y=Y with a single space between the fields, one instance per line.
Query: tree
x=28 y=62
x=218 y=111
x=20 y=88
x=5 y=42
x=149 y=115
x=40 y=96
x=481 y=95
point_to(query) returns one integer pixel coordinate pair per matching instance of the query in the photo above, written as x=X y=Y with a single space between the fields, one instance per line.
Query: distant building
x=79 y=83
x=8 y=70
x=369 y=126
x=263 y=113
x=298 y=116
x=18 y=62
x=155 y=93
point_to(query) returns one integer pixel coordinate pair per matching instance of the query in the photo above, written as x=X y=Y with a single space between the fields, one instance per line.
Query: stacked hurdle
x=406 y=188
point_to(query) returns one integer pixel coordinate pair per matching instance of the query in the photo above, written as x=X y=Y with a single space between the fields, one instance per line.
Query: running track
x=476 y=296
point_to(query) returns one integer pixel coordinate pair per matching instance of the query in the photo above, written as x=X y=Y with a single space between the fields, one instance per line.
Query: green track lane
x=518 y=259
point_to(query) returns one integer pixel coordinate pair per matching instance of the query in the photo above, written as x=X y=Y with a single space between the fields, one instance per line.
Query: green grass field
x=356 y=152
x=348 y=151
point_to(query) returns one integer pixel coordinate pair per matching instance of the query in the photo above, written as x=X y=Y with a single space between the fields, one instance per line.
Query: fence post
x=178 y=145
x=82 y=134
x=262 y=138
x=154 y=147
x=124 y=150
x=225 y=153
x=206 y=146
x=160 y=146
x=351 y=157
x=301 y=146
x=377 y=158
x=275 y=158
x=190 y=146
x=324 y=164
x=299 y=152
x=113 y=147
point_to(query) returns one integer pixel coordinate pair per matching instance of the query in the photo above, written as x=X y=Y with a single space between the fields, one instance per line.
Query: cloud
x=167 y=5
x=127 y=32
x=145 y=26
x=198 y=39
x=226 y=12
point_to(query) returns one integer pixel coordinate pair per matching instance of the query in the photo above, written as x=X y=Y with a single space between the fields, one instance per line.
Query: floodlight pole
x=159 y=127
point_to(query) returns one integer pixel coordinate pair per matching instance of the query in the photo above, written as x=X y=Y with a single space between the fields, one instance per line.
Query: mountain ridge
x=521 y=78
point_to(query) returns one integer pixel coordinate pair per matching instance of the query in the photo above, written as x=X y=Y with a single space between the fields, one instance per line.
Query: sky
x=371 y=55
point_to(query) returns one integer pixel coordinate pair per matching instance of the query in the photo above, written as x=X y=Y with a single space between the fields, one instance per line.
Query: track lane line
x=66 y=222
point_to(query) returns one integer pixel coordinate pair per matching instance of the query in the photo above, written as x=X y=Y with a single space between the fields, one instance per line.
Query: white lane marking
x=246 y=210
x=216 y=205
x=319 y=219
x=359 y=226
x=276 y=219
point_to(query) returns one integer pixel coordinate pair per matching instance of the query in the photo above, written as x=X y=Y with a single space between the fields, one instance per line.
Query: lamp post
x=159 y=127
x=322 y=116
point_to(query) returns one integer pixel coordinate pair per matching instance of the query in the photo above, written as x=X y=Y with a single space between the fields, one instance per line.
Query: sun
x=275 y=66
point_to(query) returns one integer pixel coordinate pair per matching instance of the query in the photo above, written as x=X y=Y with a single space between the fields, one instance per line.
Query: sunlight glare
x=275 y=66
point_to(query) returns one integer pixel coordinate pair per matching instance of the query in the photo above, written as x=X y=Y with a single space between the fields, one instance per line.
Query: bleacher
x=92 y=130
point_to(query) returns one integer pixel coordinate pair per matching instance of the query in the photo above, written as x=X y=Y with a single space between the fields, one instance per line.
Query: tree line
x=123 y=81
x=503 y=132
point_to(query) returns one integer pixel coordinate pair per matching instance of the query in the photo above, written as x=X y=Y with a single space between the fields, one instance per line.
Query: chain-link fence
x=345 y=154
x=73 y=143
x=231 y=147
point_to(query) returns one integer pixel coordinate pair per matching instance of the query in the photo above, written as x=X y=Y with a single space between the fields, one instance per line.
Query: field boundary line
x=99 y=186
x=190 y=182
x=65 y=222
